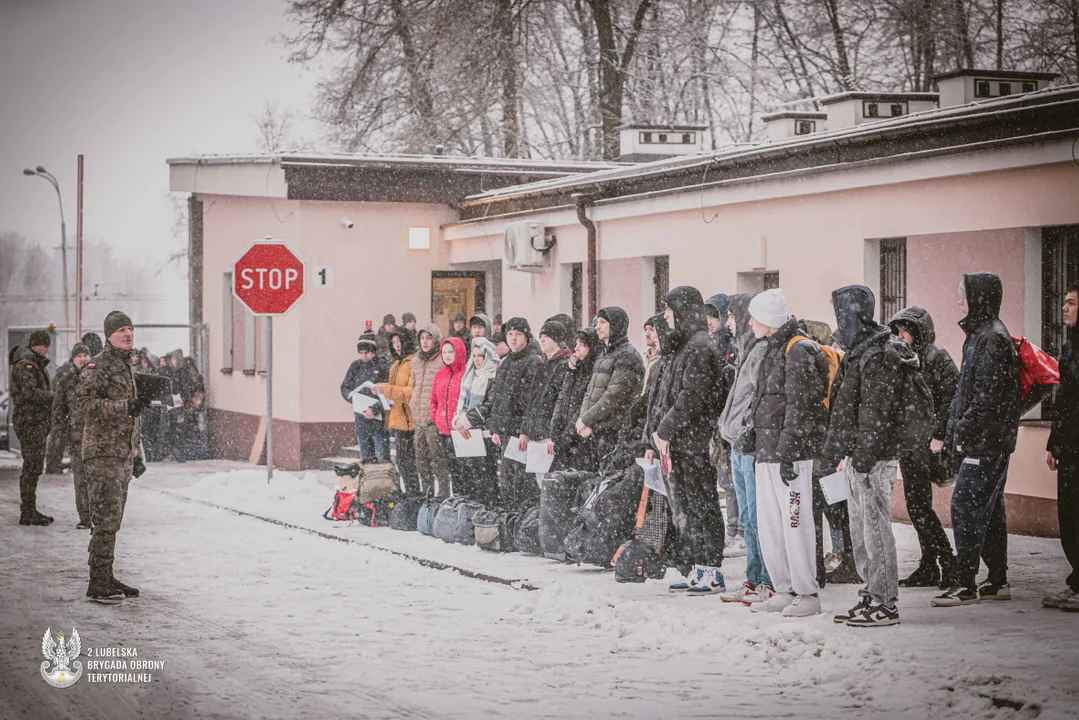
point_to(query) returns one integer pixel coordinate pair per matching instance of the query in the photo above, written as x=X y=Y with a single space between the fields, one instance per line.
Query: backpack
x=375 y=514
x=425 y=518
x=378 y=481
x=1038 y=373
x=831 y=356
x=405 y=512
x=445 y=528
x=526 y=534
x=606 y=517
x=342 y=508
x=558 y=502
x=494 y=530
x=465 y=533
x=641 y=558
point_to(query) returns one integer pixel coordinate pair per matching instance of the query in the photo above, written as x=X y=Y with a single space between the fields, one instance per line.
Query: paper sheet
x=653 y=477
x=472 y=447
x=381 y=398
x=835 y=487
x=538 y=459
x=512 y=453
x=361 y=402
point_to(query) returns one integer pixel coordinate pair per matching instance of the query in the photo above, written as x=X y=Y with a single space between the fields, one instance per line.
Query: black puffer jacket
x=1064 y=437
x=567 y=443
x=984 y=417
x=789 y=417
x=616 y=380
x=937 y=365
x=691 y=394
x=545 y=395
x=864 y=404
x=508 y=399
x=727 y=346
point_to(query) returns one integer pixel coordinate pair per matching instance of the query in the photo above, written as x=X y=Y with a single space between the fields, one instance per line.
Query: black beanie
x=554 y=330
x=79 y=348
x=116 y=320
x=367 y=342
x=519 y=324
x=407 y=318
x=39 y=337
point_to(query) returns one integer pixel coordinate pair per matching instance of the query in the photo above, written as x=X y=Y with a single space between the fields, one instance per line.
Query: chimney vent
x=855 y=108
x=791 y=123
x=964 y=86
x=645 y=143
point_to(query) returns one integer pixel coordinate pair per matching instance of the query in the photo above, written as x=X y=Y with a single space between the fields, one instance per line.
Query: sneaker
x=711 y=583
x=803 y=606
x=694 y=577
x=775 y=604
x=927 y=575
x=957 y=595
x=854 y=612
x=763 y=593
x=1071 y=604
x=738 y=594
x=735 y=546
x=875 y=615
x=1054 y=600
x=988 y=591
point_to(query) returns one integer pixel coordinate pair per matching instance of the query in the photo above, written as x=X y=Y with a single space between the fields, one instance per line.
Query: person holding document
x=370 y=433
x=479 y=473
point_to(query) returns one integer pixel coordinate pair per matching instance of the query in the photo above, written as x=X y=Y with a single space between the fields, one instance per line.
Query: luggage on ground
x=342 y=508
x=465 y=533
x=406 y=512
x=446 y=520
x=378 y=481
x=526 y=535
x=606 y=517
x=425 y=518
x=558 y=503
x=374 y=514
x=642 y=558
x=494 y=530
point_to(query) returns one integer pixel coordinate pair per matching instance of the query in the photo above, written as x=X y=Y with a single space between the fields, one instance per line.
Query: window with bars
x=226 y=322
x=893 y=277
x=770 y=280
x=662 y=280
x=1060 y=268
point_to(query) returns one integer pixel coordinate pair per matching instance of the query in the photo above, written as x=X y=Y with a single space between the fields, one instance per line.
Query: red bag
x=342 y=506
x=1038 y=373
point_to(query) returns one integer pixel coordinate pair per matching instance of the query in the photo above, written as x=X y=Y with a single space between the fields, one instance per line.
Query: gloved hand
x=135 y=406
x=138 y=467
x=787 y=473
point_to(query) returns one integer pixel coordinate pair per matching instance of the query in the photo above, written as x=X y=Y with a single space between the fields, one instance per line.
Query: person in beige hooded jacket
x=430 y=461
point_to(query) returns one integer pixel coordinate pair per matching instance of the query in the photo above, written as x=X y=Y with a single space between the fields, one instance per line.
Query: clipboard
x=153 y=389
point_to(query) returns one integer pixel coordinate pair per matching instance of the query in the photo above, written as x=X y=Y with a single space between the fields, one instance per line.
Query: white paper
x=835 y=487
x=377 y=399
x=538 y=459
x=472 y=447
x=512 y=453
x=361 y=402
x=653 y=477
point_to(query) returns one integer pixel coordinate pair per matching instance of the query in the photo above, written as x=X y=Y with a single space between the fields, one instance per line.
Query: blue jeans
x=979 y=520
x=372 y=439
x=745 y=487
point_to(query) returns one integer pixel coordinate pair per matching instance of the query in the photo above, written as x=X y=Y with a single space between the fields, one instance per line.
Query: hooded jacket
x=423 y=368
x=488 y=328
x=984 y=417
x=937 y=365
x=864 y=403
x=446 y=389
x=724 y=339
x=31 y=392
x=1064 y=437
x=570 y=449
x=651 y=355
x=507 y=403
x=546 y=394
x=476 y=384
x=690 y=393
x=736 y=420
x=616 y=380
x=358 y=373
x=398 y=386
x=789 y=416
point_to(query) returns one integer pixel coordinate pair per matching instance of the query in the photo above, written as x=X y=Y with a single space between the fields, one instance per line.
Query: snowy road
x=253 y=619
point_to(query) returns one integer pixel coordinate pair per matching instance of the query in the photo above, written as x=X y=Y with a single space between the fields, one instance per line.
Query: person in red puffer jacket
x=445 y=392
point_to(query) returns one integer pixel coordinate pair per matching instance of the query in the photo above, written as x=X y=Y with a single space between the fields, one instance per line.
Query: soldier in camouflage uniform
x=107 y=403
x=65 y=423
x=32 y=396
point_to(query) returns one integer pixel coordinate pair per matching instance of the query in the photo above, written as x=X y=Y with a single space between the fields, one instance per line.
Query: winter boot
x=127 y=590
x=43 y=516
x=846 y=573
x=948 y=578
x=83 y=525
x=101 y=592
x=927 y=574
x=27 y=519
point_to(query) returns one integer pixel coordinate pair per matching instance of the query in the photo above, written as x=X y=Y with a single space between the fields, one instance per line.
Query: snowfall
x=255 y=606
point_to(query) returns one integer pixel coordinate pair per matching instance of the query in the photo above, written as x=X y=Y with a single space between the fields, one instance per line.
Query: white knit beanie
x=770 y=308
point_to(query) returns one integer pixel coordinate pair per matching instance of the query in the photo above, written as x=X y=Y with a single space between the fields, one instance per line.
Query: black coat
x=937 y=365
x=789 y=416
x=1064 y=437
x=545 y=396
x=616 y=380
x=358 y=373
x=984 y=417
x=570 y=449
x=508 y=399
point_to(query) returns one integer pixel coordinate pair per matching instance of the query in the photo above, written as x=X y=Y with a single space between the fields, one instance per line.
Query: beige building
x=887 y=190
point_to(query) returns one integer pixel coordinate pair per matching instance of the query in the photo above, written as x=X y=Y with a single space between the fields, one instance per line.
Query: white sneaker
x=803 y=606
x=740 y=593
x=694 y=577
x=711 y=583
x=735 y=546
x=762 y=593
x=1054 y=600
x=775 y=604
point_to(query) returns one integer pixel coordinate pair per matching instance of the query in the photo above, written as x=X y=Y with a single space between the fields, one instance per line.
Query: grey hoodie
x=736 y=418
x=424 y=367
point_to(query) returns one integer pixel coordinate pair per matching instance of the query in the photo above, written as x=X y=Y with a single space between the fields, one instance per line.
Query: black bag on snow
x=606 y=518
x=465 y=533
x=375 y=513
x=637 y=561
x=405 y=512
x=446 y=519
x=425 y=518
x=557 y=510
x=494 y=530
x=526 y=535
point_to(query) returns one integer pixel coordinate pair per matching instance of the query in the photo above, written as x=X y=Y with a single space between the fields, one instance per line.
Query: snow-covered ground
x=261 y=619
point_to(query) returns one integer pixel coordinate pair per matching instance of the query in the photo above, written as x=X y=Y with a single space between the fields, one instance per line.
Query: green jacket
x=30 y=392
x=105 y=385
x=63 y=403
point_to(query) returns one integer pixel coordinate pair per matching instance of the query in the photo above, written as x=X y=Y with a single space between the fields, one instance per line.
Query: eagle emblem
x=61 y=653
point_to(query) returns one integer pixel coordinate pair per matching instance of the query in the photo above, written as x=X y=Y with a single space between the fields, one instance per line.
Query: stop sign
x=268 y=277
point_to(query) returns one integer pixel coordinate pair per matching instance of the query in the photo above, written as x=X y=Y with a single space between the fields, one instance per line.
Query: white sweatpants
x=785 y=527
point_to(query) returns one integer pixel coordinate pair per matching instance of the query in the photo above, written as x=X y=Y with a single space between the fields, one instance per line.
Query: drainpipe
x=583 y=201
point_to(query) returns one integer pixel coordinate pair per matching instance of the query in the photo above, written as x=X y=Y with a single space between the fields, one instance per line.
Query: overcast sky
x=129 y=83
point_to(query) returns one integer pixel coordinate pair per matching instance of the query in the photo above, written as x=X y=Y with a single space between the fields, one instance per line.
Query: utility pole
x=78 y=258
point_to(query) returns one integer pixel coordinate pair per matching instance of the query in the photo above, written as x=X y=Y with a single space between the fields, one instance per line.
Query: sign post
x=268 y=279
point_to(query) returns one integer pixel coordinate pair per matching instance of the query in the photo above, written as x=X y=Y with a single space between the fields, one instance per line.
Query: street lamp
x=41 y=172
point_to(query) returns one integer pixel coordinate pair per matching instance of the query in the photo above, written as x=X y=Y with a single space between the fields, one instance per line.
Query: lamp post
x=41 y=172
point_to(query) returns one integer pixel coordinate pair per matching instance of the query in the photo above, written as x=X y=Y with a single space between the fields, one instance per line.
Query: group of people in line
x=735 y=393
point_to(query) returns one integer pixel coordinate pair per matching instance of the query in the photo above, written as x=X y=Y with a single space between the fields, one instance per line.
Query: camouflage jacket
x=30 y=392
x=105 y=385
x=63 y=402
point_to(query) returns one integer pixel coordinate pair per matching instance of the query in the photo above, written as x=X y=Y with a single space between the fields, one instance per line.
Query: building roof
x=456 y=163
x=796 y=114
x=658 y=126
x=998 y=74
x=880 y=97
x=1045 y=114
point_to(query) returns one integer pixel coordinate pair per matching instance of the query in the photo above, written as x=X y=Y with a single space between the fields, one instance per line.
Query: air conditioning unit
x=528 y=247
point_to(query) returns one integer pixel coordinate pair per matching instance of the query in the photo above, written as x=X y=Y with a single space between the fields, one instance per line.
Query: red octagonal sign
x=269 y=277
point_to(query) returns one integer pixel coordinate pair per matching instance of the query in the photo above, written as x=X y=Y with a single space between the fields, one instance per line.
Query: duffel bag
x=405 y=512
x=378 y=481
x=466 y=523
x=425 y=518
x=526 y=536
x=375 y=514
x=558 y=503
x=494 y=530
x=446 y=520
x=637 y=561
x=606 y=519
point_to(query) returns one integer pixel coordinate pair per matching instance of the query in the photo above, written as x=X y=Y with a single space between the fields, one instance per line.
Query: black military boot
x=101 y=588
x=927 y=574
x=42 y=516
x=33 y=519
x=127 y=590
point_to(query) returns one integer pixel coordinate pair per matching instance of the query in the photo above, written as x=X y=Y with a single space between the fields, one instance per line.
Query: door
x=453 y=292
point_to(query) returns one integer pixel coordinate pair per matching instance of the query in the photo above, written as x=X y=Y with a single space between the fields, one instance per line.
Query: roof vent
x=855 y=108
x=964 y=86
x=791 y=123
x=644 y=143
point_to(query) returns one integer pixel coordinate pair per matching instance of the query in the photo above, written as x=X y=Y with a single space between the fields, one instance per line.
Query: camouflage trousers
x=106 y=483
x=78 y=473
x=33 y=463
